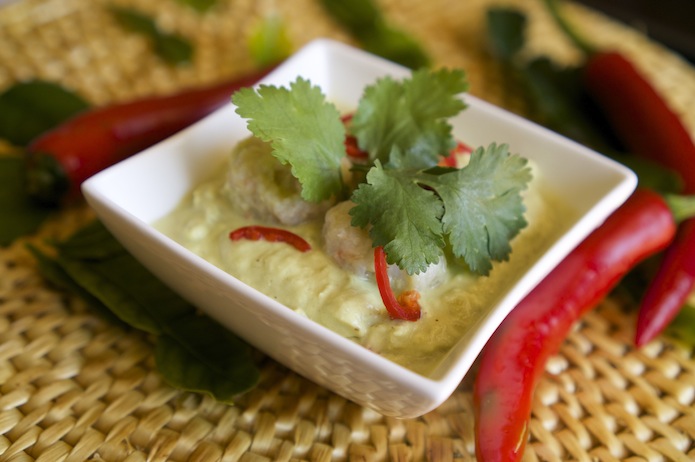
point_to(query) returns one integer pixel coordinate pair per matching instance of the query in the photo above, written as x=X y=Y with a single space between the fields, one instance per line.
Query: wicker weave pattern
x=75 y=388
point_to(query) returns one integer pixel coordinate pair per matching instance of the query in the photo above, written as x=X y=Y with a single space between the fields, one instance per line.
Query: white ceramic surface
x=130 y=196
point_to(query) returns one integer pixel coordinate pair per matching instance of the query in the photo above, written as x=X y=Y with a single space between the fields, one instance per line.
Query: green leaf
x=557 y=100
x=199 y=355
x=199 y=5
x=134 y=21
x=553 y=92
x=410 y=115
x=172 y=48
x=506 y=32
x=358 y=16
x=483 y=205
x=269 y=42
x=19 y=215
x=193 y=351
x=30 y=108
x=395 y=45
x=364 y=20
x=91 y=242
x=96 y=262
x=304 y=130
x=479 y=209
x=403 y=218
x=56 y=274
x=403 y=125
x=90 y=277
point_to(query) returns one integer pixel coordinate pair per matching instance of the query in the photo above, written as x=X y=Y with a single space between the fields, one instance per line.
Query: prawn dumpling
x=264 y=189
x=351 y=248
x=348 y=246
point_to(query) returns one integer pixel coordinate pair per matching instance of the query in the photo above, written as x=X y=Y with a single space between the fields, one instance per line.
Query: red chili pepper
x=255 y=233
x=515 y=357
x=406 y=307
x=649 y=128
x=62 y=158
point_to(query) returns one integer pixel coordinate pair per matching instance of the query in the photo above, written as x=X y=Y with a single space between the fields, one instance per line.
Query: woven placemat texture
x=75 y=388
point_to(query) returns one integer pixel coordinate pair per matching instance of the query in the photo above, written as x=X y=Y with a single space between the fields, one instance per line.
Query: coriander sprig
x=412 y=208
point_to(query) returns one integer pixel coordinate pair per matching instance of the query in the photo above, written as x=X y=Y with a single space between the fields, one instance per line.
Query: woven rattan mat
x=74 y=388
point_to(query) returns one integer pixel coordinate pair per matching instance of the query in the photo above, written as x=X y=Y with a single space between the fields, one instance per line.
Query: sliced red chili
x=406 y=307
x=353 y=150
x=351 y=147
x=255 y=233
x=451 y=159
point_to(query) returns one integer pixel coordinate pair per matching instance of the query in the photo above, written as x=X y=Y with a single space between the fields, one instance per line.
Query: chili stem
x=682 y=206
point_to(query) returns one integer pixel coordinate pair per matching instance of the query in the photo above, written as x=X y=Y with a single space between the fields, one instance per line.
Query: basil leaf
x=506 y=32
x=197 y=354
x=56 y=274
x=134 y=21
x=557 y=100
x=19 y=215
x=91 y=242
x=193 y=352
x=395 y=45
x=30 y=108
x=199 y=5
x=90 y=278
x=172 y=48
x=364 y=20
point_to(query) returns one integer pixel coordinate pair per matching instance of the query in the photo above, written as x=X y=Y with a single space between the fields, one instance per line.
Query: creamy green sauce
x=313 y=285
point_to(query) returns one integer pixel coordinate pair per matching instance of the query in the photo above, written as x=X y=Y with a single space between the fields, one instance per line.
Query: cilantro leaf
x=412 y=207
x=404 y=218
x=410 y=115
x=478 y=209
x=304 y=130
x=484 y=207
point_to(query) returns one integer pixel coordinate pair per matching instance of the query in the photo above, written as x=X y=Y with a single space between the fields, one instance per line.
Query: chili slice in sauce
x=270 y=234
x=406 y=306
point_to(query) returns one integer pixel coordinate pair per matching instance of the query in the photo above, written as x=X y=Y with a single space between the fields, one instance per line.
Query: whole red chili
x=515 y=356
x=59 y=160
x=407 y=306
x=649 y=128
x=270 y=234
x=645 y=123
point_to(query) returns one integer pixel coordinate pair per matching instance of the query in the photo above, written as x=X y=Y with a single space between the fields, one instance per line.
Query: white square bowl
x=130 y=196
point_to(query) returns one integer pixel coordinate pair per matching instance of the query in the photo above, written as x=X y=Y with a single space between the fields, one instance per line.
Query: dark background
x=671 y=22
